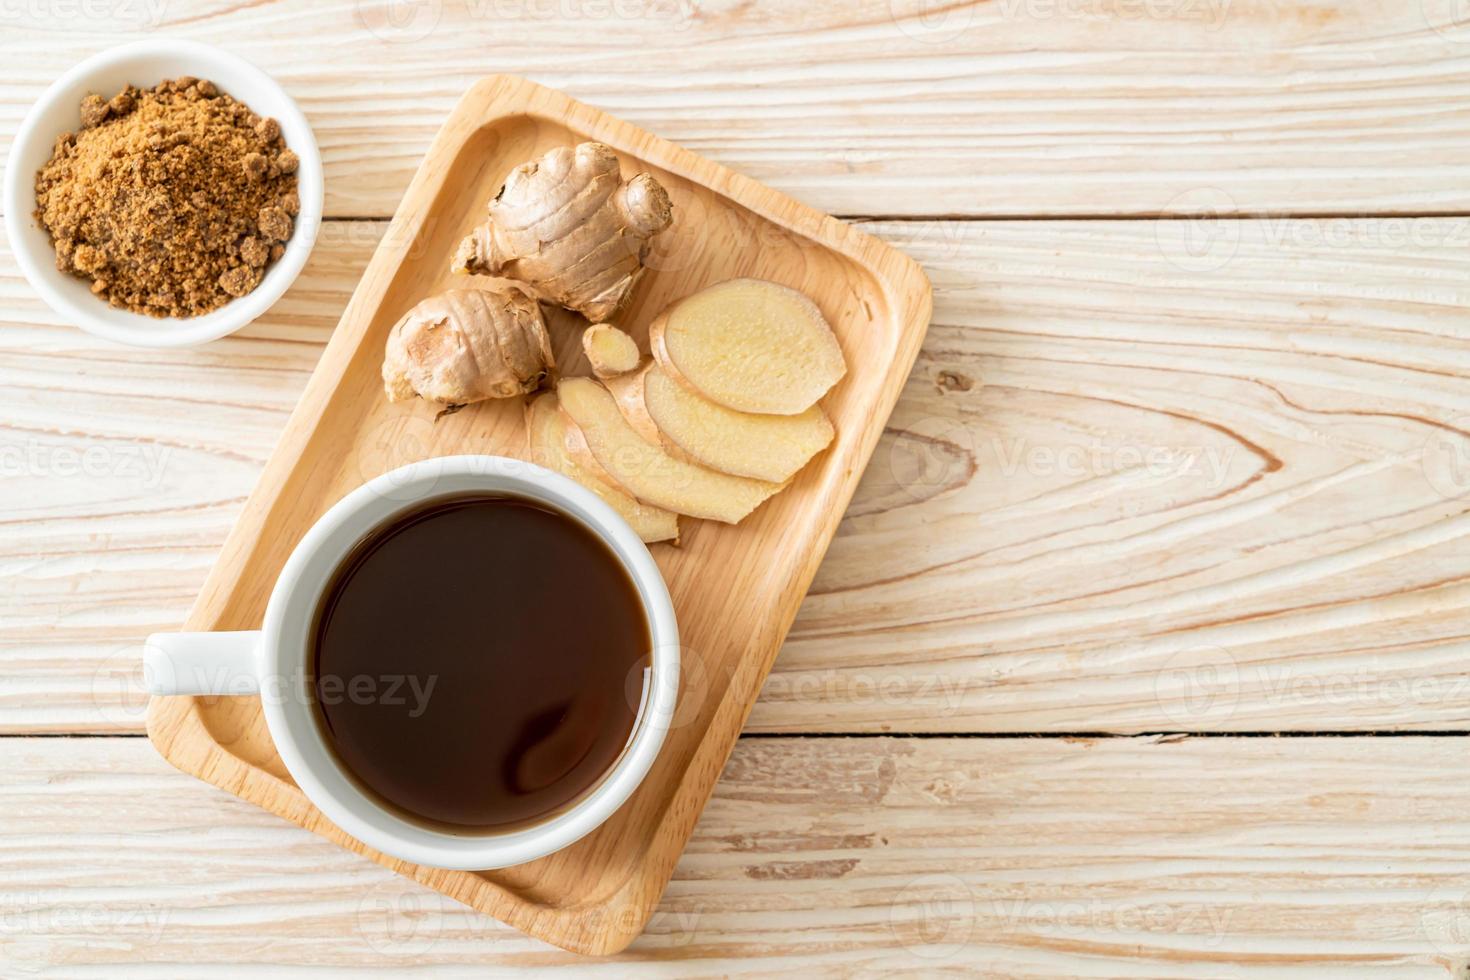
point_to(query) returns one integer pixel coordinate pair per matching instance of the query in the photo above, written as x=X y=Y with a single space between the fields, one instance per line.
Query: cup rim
x=137 y=329
x=323 y=778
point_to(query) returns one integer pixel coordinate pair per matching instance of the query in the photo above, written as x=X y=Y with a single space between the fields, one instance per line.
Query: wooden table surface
x=1142 y=650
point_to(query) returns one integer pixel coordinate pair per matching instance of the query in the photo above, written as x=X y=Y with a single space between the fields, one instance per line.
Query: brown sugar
x=172 y=201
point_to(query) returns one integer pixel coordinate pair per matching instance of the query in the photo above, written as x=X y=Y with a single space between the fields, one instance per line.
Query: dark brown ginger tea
x=477 y=662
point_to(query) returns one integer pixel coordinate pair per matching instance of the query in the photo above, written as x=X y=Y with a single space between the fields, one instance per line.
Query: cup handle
x=202 y=663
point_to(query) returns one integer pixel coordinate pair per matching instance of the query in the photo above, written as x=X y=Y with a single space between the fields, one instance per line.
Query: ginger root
x=610 y=351
x=571 y=228
x=467 y=345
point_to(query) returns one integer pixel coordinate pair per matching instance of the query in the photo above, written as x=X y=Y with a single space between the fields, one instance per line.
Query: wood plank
x=1131 y=489
x=1206 y=858
x=892 y=107
x=1154 y=572
x=123 y=469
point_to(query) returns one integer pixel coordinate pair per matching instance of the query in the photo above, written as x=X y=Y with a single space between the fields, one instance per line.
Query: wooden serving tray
x=735 y=589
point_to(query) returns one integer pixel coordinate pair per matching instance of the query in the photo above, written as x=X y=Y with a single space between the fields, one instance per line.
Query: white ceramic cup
x=273 y=662
x=57 y=111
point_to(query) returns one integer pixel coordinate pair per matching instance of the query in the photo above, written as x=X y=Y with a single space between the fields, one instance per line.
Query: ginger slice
x=571 y=228
x=610 y=351
x=467 y=345
x=750 y=345
x=763 y=447
x=546 y=429
x=645 y=470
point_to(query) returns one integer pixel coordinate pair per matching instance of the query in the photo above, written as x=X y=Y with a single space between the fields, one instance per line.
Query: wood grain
x=735 y=589
x=1133 y=486
x=1021 y=858
x=877 y=107
x=976 y=583
x=1314 y=581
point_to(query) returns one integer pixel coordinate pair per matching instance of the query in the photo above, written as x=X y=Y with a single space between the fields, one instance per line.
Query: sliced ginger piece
x=610 y=351
x=750 y=345
x=763 y=447
x=645 y=470
x=546 y=428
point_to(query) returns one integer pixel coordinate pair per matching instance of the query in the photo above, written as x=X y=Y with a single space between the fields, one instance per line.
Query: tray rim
x=909 y=297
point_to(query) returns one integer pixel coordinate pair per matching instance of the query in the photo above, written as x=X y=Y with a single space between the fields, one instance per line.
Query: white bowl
x=145 y=64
